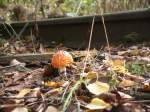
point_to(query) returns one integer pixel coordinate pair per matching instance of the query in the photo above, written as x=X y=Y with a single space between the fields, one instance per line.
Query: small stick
x=65 y=91
x=6 y=67
x=34 y=49
x=10 y=105
x=16 y=97
x=140 y=101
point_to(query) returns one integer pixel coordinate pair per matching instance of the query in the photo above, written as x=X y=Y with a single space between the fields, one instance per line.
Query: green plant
x=135 y=68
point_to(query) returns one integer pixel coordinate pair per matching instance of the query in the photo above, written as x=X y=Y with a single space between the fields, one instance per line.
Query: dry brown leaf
x=97 y=103
x=146 y=87
x=98 y=88
x=117 y=62
x=126 y=83
x=135 y=52
x=130 y=107
x=134 y=77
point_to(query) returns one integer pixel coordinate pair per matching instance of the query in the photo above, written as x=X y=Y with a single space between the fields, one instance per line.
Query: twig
x=79 y=6
x=78 y=103
x=5 y=27
x=36 y=25
x=65 y=92
x=140 y=101
x=34 y=49
x=27 y=97
x=14 y=32
x=34 y=103
x=89 y=45
x=6 y=67
x=42 y=9
x=19 y=67
x=10 y=105
x=23 y=29
x=105 y=30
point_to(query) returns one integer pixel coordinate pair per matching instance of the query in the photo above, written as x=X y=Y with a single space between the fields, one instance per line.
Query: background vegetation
x=60 y=8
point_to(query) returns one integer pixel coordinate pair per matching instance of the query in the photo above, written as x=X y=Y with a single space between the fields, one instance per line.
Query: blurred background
x=23 y=10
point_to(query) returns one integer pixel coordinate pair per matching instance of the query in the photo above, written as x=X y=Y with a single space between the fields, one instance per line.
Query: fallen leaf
x=98 y=88
x=134 y=52
x=54 y=84
x=35 y=76
x=20 y=109
x=97 y=103
x=109 y=97
x=120 y=69
x=36 y=92
x=92 y=75
x=124 y=96
x=134 y=77
x=40 y=108
x=126 y=83
x=51 y=109
x=121 y=53
x=117 y=62
x=117 y=65
x=54 y=91
x=22 y=93
x=16 y=62
x=146 y=87
x=130 y=107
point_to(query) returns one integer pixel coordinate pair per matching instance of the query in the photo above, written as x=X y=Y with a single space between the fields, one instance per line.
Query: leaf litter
x=118 y=84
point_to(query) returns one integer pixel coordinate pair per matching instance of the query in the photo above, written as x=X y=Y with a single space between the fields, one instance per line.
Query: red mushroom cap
x=61 y=59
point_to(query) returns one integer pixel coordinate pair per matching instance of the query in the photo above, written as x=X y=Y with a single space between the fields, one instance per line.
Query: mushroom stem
x=63 y=70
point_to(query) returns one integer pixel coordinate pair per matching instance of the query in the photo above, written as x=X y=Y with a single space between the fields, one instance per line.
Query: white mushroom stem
x=63 y=70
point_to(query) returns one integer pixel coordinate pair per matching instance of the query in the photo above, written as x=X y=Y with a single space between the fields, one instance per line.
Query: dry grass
x=121 y=5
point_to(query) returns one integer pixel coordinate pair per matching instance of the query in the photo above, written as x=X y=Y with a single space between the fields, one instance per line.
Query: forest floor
x=115 y=79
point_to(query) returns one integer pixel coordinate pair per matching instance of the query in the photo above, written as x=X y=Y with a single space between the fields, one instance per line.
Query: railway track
x=125 y=27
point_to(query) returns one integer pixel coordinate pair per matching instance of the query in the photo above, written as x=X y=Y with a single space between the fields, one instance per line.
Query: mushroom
x=61 y=59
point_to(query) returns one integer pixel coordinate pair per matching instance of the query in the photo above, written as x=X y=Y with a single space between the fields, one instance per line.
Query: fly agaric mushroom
x=61 y=59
